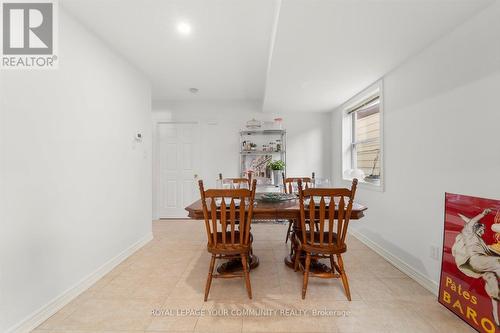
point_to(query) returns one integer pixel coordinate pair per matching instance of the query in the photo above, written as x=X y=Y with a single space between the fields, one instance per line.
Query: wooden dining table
x=263 y=210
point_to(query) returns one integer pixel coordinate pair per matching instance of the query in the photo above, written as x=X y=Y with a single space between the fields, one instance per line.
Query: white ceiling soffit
x=326 y=51
x=225 y=55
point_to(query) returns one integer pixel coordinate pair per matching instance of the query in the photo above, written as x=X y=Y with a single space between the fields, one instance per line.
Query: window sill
x=362 y=184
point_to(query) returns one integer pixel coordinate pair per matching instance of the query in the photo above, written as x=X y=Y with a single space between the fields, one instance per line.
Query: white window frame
x=347 y=134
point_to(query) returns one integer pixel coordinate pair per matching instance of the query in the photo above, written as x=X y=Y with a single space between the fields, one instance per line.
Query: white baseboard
x=46 y=311
x=398 y=263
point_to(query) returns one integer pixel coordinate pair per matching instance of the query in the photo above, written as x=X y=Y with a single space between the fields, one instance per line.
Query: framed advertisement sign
x=470 y=269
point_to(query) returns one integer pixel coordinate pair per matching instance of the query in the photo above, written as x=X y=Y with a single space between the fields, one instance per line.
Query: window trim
x=348 y=127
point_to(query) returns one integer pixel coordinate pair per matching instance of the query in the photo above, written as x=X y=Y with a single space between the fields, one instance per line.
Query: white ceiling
x=225 y=56
x=322 y=51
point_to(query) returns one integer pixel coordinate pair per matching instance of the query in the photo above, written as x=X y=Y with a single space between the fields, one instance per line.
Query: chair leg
x=332 y=264
x=306 y=275
x=244 y=262
x=290 y=223
x=209 y=278
x=343 y=275
x=297 y=258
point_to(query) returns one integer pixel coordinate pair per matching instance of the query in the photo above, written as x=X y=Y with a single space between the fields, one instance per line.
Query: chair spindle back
x=289 y=182
x=317 y=206
x=223 y=209
x=239 y=181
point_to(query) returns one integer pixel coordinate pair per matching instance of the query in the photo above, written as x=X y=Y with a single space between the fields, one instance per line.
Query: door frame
x=156 y=160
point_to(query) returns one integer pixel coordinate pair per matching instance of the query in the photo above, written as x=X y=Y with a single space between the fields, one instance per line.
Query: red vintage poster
x=470 y=270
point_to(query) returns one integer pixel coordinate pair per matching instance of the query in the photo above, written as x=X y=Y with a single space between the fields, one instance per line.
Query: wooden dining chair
x=288 y=186
x=291 y=182
x=318 y=204
x=238 y=181
x=223 y=211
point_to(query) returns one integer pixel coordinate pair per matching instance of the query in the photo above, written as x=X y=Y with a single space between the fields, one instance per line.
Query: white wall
x=75 y=191
x=308 y=136
x=442 y=125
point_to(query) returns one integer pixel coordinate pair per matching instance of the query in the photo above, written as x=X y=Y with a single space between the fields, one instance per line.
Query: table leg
x=234 y=265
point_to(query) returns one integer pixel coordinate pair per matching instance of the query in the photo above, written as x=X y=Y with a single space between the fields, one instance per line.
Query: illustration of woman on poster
x=476 y=259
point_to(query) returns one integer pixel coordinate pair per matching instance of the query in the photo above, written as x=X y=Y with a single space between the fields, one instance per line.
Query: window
x=362 y=137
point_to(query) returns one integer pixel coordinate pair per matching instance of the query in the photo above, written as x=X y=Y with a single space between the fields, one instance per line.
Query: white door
x=178 y=153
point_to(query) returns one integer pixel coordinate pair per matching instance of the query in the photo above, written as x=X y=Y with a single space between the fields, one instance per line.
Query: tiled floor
x=168 y=275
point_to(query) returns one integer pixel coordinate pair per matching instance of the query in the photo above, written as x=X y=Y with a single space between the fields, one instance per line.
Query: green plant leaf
x=277 y=165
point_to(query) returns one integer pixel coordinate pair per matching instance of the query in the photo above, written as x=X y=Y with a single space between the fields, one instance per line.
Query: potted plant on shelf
x=277 y=168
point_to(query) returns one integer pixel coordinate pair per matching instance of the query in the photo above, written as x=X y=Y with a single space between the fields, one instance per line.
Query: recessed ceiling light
x=194 y=90
x=184 y=28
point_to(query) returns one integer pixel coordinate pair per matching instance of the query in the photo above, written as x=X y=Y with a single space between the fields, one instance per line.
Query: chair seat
x=228 y=248
x=315 y=246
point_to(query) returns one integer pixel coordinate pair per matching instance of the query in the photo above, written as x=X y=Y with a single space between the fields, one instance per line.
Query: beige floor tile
x=85 y=331
x=169 y=274
x=261 y=245
x=379 y=316
x=176 y=315
x=106 y=279
x=97 y=314
x=438 y=316
x=371 y=289
x=282 y=323
x=407 y=289
x=155 y=287
x=56 y=320
x=122 y=286
x=386 y=270
x=220 y=317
